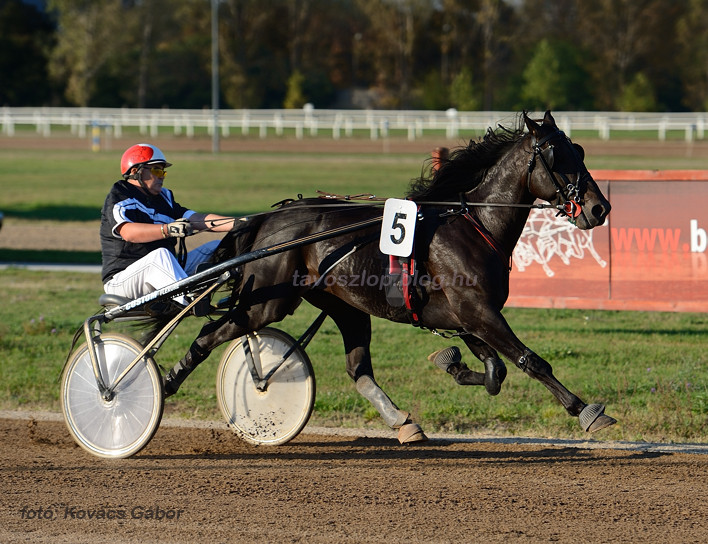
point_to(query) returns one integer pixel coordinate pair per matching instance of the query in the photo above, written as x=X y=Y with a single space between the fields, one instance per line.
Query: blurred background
x=630 y=55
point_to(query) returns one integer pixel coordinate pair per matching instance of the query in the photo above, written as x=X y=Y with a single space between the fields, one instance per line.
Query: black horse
x=472 y=210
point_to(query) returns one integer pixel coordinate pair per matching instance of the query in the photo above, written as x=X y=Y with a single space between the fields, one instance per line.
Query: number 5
x=398 y=225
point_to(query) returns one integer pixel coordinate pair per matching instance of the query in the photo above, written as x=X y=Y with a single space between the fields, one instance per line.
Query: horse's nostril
x=600 y=212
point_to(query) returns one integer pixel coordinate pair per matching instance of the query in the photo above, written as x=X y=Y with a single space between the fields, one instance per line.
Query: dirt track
x=206 y=485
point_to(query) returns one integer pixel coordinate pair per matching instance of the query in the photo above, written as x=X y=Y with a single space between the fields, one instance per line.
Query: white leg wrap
x=370 y=390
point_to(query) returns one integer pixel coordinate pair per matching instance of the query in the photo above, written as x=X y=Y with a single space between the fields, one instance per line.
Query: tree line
x=631 y=55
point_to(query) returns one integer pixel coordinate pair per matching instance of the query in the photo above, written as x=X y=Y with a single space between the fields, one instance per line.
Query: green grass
x=648 y=368
x=71 y=185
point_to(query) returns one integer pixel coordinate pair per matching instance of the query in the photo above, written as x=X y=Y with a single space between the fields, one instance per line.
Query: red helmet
x=141 y=154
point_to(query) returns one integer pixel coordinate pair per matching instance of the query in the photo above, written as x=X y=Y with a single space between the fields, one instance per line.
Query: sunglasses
x=158 y=172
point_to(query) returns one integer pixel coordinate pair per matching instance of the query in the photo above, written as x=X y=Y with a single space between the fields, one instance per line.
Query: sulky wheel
x=278 y=411
x=123 y=424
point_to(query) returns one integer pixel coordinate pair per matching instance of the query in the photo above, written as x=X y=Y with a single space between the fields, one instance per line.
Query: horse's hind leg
x=450 y=360
x=212 y=334
x=355 y=327
x=236 y=323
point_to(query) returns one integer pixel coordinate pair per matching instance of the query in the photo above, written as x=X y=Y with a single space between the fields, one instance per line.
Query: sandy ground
x=203 y=484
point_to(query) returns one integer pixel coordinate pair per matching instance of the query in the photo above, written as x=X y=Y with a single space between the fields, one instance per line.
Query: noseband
x=571 y=193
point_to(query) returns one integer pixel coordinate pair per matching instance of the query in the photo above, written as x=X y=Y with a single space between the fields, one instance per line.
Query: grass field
x=648 y=368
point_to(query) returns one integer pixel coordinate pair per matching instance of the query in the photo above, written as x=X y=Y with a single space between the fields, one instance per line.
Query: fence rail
x=337 y=123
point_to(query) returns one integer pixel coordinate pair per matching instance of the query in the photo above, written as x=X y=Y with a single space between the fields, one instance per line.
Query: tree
x=638 y=95
x=456 y=35
x=153 y=53
x=463 y=94
x=253 y=53
x=493 y=19
x=295 y=98
x=88 y=35
x=26 y=36
x=298 y=16
x=692 y=31
x=626 y=36
x=555 y=79
x=391 y=44
x=434 y=94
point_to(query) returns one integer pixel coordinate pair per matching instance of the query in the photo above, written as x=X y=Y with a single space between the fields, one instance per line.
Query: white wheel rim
x=273 y=416
x=119 y=427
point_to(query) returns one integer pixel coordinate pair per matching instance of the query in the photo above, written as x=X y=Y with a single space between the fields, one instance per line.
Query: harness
x=405 y=269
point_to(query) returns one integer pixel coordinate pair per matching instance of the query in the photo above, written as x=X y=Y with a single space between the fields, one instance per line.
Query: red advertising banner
x=651 y=254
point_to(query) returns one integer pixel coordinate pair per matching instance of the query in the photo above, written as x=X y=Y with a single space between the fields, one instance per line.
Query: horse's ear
x=532 y=125
x=548 y=118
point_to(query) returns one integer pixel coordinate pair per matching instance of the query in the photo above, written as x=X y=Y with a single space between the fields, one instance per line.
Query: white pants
x=156 y=270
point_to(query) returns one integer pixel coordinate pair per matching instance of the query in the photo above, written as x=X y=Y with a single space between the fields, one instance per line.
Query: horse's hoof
x=494 y=375
x=443 y=358
x=593 y=418
x=601 y=422
x=410 y=433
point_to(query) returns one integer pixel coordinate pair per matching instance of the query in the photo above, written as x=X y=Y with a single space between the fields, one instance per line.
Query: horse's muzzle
x=595 y=214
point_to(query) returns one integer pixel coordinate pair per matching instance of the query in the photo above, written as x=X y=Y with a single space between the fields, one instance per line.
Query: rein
x=368 y=197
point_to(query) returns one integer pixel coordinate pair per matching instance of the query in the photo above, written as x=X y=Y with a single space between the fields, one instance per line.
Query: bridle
x=571 y=194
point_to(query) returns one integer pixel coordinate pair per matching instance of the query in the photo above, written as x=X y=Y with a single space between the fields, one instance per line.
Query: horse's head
x=557 y=174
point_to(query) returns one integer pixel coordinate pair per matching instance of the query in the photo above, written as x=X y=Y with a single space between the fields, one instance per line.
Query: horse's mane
x=466 y=166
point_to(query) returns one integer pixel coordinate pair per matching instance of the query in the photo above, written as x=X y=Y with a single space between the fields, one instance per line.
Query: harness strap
x=408 y=273
x=488 y=238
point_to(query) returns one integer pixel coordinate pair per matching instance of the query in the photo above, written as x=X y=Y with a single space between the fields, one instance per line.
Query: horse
x=472 y=208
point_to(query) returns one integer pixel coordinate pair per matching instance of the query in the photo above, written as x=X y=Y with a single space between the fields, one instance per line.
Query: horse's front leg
x=492 y=328
x=450 y=360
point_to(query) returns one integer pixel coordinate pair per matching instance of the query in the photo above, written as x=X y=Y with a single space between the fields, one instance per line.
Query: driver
x=140 y=225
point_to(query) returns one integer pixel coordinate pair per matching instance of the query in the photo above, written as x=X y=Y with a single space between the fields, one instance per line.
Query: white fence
x=334 y=123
